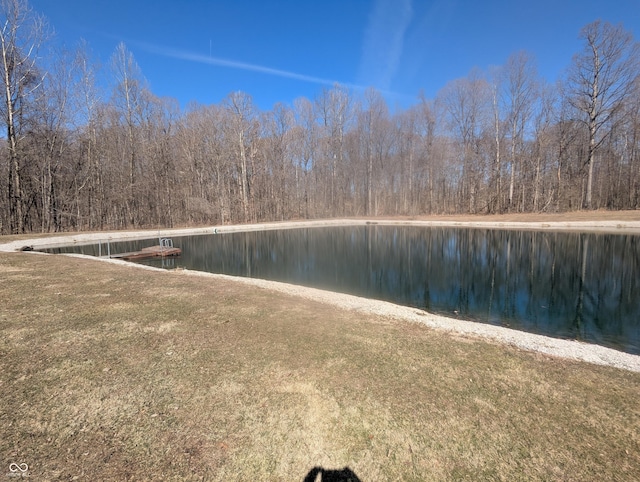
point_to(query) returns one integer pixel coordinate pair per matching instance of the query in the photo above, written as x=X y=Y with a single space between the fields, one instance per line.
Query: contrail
x=383 y=42
x=234 y=64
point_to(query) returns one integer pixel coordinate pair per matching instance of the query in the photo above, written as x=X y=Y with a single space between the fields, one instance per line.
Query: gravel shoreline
x=568 y=349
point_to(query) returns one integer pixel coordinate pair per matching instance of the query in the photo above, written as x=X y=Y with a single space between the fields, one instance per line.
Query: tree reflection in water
x=582 y=286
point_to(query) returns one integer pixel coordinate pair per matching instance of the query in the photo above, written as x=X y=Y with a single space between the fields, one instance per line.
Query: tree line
x=80 y=157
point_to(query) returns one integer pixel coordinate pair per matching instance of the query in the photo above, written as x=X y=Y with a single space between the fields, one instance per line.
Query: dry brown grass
x=114 y=373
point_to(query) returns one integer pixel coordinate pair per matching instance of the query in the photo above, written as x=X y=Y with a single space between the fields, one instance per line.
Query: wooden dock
x=150 y=252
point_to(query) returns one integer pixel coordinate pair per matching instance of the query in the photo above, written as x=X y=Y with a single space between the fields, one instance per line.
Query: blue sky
x=276 y=51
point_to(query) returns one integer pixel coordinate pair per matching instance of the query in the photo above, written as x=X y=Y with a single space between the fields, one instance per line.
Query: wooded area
x=81 y=157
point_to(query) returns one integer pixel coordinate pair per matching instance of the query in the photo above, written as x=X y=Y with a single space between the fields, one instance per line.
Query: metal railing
x=166 y=243
x=100 y=249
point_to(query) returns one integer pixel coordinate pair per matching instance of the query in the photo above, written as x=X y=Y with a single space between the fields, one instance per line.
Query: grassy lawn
x=114 y=373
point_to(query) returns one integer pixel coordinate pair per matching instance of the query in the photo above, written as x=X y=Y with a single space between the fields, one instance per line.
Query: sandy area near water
x=527 y=341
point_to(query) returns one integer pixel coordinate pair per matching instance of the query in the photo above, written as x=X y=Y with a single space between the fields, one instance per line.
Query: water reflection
x=570 y=285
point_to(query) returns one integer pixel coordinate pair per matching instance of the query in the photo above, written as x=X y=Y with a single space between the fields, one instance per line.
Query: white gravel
x=527 y=341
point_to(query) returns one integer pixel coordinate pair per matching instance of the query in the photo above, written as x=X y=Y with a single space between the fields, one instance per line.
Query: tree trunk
x=244 y=183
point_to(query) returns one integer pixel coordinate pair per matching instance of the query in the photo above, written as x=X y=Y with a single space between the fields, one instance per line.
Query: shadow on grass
x=342 y=475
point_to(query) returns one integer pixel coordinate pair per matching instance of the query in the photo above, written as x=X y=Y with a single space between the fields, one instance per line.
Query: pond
x=583 y=286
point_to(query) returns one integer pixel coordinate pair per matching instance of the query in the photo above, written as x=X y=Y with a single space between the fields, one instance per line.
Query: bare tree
x=632 y=148
x=88 y=103
x=160 y=148
x=408 y=139
x=306 y=140
x=520 y=93
x=242 y=132
x=374 y=131
x=466 y=103
x=495 y=196
x=426 y=117
x=335 y=108
x=128 y=98
x=20 y=37
x=279 y=164
x=206 y=172
x=73 y=160
x=542 y=123
x=51 y=136
x=601 y=79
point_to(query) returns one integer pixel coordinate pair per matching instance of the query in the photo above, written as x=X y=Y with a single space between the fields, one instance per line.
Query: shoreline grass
x=114 y=373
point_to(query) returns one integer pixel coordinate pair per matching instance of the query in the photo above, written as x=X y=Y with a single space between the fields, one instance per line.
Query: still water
x=581 y=286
